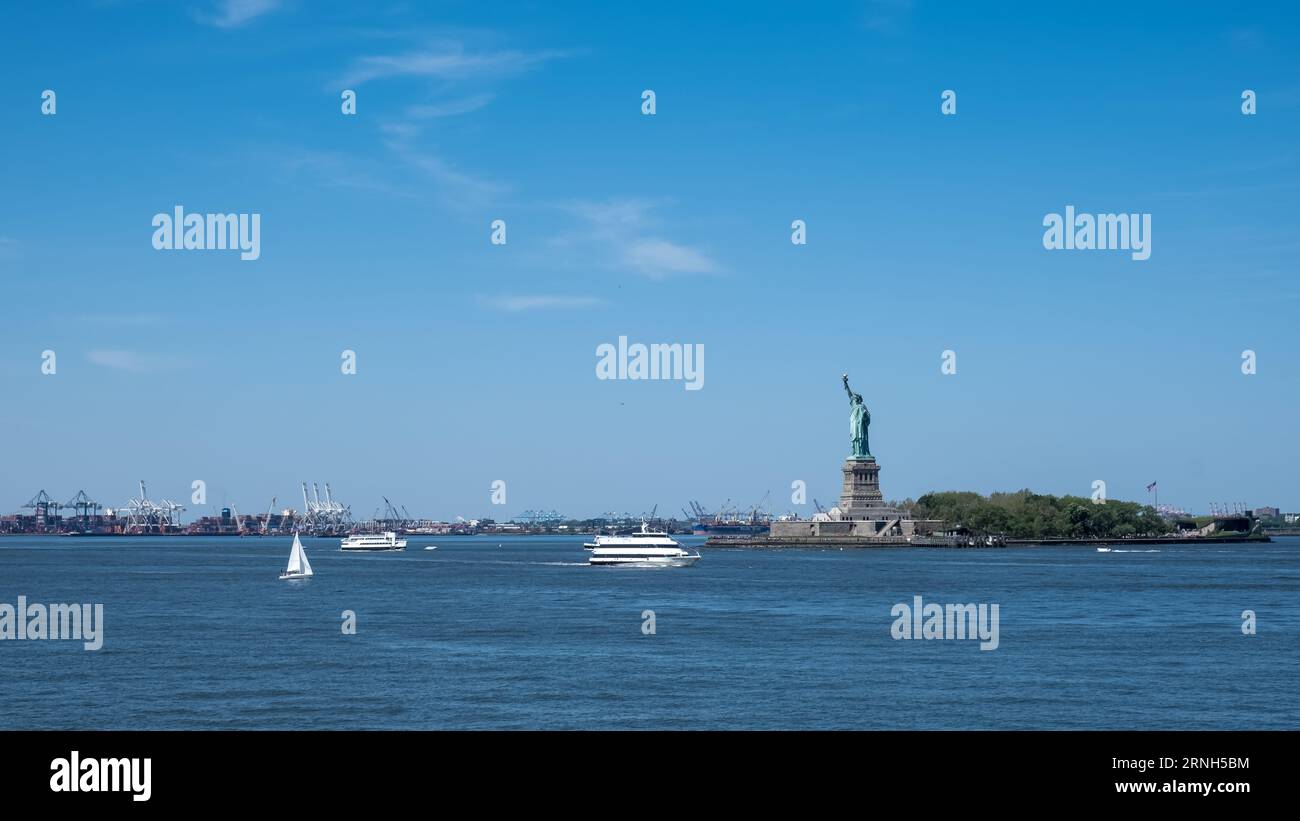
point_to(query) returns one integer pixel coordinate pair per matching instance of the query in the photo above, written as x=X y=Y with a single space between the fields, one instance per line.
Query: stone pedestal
x=862 y=518
x=861 y=498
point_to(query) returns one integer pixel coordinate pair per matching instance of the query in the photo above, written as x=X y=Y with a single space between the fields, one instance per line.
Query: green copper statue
x=859 y=420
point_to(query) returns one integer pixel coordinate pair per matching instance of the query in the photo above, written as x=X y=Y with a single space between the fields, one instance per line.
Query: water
x=498 y=632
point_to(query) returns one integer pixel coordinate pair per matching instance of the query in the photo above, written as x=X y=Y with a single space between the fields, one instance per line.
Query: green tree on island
x=1028 y=515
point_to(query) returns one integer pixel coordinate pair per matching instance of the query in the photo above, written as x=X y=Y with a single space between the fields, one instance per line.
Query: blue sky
x=477 y=362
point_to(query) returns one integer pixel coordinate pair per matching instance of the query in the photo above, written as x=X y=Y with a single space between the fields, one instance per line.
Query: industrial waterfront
x=322 y=514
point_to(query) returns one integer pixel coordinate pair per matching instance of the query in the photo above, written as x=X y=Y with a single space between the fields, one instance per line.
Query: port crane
x=324 y=518
x=337 y=511
x=82 y=506
x=44 y=506
x=147 y=516
x=533 y=517
x=391 y=516
x=266 y=525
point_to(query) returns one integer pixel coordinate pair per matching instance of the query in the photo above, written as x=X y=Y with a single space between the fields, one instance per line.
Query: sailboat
x=299 y=567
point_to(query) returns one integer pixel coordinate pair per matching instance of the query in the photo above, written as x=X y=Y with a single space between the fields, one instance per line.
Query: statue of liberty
x=859 y=421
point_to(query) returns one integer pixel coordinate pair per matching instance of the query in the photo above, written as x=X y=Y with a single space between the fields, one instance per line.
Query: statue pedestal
x=862 y=519
x=861 y=498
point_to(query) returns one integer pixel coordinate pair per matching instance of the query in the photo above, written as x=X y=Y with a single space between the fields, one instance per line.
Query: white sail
x=302 y=557
x=298 y=564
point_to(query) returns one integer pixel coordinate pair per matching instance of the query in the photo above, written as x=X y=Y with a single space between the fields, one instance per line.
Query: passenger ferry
x=373 y=541
x=645 y=548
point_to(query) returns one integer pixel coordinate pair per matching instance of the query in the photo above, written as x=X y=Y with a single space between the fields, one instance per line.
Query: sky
x=476 y=362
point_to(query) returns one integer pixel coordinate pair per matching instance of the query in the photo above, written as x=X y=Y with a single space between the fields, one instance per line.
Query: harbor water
x=518 y=632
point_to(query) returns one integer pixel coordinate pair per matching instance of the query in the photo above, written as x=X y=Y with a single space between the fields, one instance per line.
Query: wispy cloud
x=134 y=361
x=457 y=186
x=627 y=233
x=1247 y=38
x=615 y=218
x=535 y=302
x=659 y=257
x=235 y=13
x=451 y=108
x=336 y=169
x=886 y=16
x=456 y=74
x=447 y=61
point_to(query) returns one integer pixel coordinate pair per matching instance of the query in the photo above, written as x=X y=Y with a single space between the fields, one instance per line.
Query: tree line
x=1028 y=515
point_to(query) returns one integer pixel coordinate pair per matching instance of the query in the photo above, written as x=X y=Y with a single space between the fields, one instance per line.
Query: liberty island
x=862 y=518
x=954 y=519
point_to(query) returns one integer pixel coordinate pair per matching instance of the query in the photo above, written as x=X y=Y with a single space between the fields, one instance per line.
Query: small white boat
x=373 y=541
x=299 y=567
x=645 y=548
x=1103 y=550
x=431 y=547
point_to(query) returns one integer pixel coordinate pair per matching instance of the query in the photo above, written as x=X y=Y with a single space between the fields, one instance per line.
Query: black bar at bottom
x=208 y=770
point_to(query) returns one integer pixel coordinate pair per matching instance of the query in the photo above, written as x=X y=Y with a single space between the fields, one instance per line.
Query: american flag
x=1150 y=486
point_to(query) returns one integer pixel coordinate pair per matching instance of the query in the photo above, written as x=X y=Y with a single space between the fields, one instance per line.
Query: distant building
x=1267 y=513
x=1291 y=518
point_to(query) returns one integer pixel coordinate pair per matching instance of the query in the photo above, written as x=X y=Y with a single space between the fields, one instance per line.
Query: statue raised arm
x=859 y=421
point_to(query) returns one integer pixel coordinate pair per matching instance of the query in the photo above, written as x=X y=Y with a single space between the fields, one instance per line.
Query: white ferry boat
x=373 y=541
x=645 y=548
